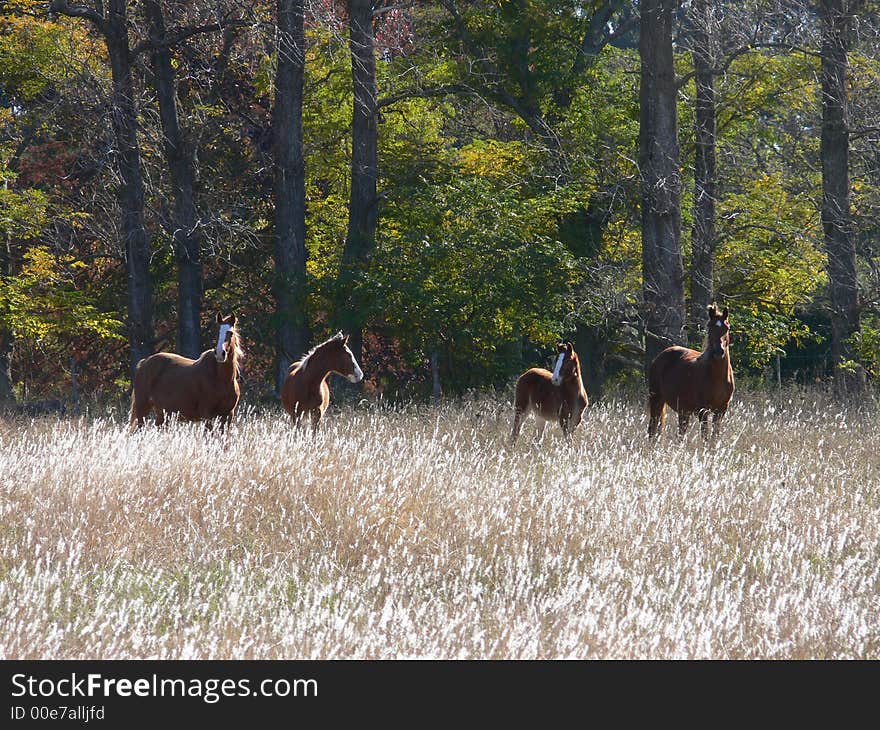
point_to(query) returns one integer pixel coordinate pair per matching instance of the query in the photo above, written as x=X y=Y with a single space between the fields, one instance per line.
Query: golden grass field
x=417 y=532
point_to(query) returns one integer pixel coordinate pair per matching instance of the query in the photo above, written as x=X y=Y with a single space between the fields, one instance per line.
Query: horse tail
x=133 y=411
x=656 y=403
x=141 y=388
x=521 y=396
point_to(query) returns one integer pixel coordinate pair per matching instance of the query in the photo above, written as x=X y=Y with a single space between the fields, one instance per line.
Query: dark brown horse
x=692 y=382
x=195 y=390
x=558 y=396
x=305 y=388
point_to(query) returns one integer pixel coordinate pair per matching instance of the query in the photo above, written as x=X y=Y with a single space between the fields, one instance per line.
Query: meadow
x=417 y=532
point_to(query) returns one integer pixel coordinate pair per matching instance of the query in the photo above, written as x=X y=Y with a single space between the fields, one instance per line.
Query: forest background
x=457 y=184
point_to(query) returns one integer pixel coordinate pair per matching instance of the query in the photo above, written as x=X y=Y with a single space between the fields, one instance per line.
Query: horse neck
x=718 y=367
x=228 y=370
x=316 y=368
x=574 y=384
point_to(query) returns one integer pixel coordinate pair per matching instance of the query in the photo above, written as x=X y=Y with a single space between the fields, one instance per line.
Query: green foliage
x=865 y=344
x=509 y=193
x=467 y=273
x=768 y=262
x=42 y=302
x=35 y=55
x=22 y=213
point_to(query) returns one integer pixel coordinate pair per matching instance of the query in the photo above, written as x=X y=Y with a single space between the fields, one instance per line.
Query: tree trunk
x=362 y=208
x=836 y=215
x=181 y=165
x=290 y=189
x=703 y=237
x=592 y=342
x=436 y=390
x=131 y=198
x=662 y=268
x=7 y=393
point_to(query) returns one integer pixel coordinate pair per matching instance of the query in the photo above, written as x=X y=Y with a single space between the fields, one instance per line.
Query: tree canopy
x=508 y=199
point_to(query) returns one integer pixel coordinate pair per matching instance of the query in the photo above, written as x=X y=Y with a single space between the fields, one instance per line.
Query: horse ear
x=712 y=311
x=724 y=314
x=219 y=317
x=232 y=318
x=569 y=347
x=560 y=347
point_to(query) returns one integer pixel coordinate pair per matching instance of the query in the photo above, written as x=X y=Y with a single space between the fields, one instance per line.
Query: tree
x=111 y=21
x=290 y=198
x=363 y=208
x=836 y=212
x=662 y=268
x=185 y=224
x=703 y=234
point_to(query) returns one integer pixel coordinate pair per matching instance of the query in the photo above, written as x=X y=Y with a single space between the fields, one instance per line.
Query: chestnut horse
x=558 y=396
x=195 y=390
x=693 y=382
x=305 y=388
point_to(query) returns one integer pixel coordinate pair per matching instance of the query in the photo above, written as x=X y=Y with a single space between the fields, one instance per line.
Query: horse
x=558 y=396
x=305 y=389
x=195 y=390
x=693 y=382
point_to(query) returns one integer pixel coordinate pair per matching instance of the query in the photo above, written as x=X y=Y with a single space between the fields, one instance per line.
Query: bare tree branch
x=62 y=7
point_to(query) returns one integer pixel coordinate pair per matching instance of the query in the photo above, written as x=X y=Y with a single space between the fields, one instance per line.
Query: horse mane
x=238 y=352
x=304 y=360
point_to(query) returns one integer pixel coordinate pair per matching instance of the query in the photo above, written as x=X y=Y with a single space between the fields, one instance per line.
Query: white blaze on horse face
x=219 y=352
x=557 y=377
x=358 y=375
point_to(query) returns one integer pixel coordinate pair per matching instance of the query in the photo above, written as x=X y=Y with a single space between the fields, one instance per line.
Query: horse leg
x=226 y=420
x=657 y=410
x=542 y=424
x=576 y=417
x=160 y=417
x=565 y=424
x=140 y=407
x=716 y=421
x=316 y=420
x=704 y=424
x=139 y=416
x=684 y=419
x=295 y=415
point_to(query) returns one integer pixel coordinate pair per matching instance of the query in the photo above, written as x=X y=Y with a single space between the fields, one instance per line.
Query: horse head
x=344 y=361
x=223 y=348
x=566 y=362
x=719 y=331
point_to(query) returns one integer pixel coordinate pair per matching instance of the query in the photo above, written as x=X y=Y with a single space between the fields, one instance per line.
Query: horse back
x=667 y=363
x=535 y=391
x=181 y=385
x=299 y=396
x=152 y=369
x=688 y=383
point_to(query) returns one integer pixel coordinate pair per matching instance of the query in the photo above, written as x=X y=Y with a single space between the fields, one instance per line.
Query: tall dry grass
x=417 y=533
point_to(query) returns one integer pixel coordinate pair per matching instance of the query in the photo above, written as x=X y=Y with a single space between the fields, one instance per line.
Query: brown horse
x=195 y=390
x=305 y=388
x=558 y=396
x=693 y=382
